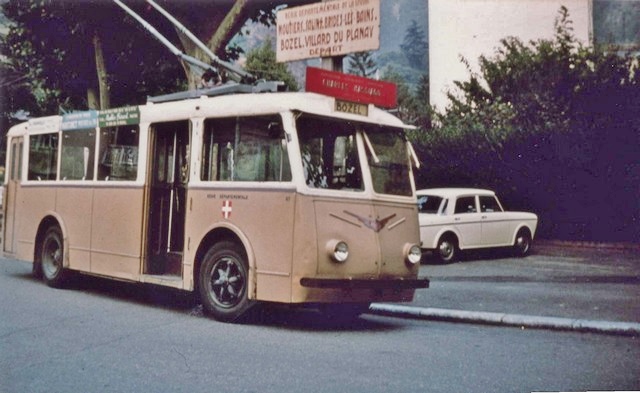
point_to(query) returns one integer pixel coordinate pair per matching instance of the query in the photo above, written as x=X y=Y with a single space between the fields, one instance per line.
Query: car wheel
x=447 y=250
x=51 y=262
x=223 y=282
x=522 y=244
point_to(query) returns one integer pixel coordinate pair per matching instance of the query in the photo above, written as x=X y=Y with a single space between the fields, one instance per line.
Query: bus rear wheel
x=52 y=258
x=223 y=282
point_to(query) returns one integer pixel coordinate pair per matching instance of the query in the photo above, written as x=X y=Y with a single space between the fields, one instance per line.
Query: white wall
x=471 y=28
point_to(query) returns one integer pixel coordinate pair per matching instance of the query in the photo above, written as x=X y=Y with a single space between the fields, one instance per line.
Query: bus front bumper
x=365 y=283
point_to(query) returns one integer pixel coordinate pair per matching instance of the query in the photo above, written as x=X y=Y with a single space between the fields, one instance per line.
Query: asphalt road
x=586 y=283
x=106 y=336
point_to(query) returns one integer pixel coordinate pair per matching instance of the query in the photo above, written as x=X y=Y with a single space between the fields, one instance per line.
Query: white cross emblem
x=226 y=209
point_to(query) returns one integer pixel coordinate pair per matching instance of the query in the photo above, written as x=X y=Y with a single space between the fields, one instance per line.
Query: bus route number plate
x=352 y=107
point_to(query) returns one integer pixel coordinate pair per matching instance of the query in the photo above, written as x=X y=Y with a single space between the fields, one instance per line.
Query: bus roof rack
x=227 y=88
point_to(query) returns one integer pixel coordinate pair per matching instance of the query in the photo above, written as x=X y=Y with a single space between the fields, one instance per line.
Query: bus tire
x=223 y=281
x=51 y=258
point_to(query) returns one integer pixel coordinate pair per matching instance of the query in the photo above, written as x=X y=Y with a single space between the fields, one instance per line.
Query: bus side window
x=218 y=149
x=78 y=152
x=16 y=161
x=244 y=149
x=43 y=157
x=118 y=153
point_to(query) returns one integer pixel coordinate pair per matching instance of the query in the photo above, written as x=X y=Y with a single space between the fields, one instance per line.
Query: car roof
x=453 y=192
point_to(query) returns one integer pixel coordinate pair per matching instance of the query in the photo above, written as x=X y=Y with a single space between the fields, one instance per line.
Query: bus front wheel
x=223 y=282
x=51 y=262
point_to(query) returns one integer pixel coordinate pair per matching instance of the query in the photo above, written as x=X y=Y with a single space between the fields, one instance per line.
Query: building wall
x=471 y=28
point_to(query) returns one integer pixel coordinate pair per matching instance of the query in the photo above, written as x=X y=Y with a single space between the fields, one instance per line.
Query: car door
x=495 y=226
x=466 y=219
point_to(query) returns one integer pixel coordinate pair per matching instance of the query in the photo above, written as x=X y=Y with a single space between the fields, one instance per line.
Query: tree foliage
x=414 y=46
x=50 y=48
x=552 y=125
x=261 y=62
x=362 y=64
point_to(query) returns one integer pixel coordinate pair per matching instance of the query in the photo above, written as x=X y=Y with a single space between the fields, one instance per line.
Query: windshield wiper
x=370 y=147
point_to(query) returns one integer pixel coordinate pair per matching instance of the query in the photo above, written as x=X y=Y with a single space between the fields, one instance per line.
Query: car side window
x=489 y=204
x=429 y=204
x=466 y=205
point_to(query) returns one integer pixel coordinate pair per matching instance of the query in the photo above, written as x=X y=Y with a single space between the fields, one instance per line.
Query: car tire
x=223 y=281
x=522 y=244
x=447 y=249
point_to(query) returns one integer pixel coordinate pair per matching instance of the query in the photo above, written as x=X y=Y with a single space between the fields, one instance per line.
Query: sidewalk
x=559 y=286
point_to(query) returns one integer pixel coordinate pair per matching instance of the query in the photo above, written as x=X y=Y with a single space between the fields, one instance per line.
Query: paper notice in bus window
x=352 y=107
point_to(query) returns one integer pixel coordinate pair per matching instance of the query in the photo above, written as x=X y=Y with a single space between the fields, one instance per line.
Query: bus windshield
x=389 y=160
x=330 y=156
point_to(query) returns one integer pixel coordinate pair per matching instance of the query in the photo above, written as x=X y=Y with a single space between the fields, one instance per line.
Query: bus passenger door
x=169 y=174
x=10 y=195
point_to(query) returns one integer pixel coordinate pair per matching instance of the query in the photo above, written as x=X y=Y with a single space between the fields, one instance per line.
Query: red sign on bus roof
x=351 y=87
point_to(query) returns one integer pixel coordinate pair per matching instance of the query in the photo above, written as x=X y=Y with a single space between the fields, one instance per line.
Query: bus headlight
x=413 y=253
x=338 y=250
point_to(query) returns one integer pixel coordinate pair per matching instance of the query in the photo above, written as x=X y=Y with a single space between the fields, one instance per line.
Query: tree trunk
x=93 y=102
x=230 y=25
x=101 y=70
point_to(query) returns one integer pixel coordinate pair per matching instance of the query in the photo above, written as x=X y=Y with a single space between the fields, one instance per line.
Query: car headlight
x=413 y=253
x=338 y=250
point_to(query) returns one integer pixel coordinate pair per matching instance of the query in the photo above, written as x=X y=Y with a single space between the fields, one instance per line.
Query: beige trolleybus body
x=273 y=197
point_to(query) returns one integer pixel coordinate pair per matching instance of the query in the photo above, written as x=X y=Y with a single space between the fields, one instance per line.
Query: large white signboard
x=327 y=29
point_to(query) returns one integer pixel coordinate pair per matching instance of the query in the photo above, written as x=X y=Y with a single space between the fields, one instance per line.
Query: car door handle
x=484 y=217
x=457 y=219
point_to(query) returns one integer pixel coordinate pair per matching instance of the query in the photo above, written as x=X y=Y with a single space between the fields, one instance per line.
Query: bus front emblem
x=373 y=224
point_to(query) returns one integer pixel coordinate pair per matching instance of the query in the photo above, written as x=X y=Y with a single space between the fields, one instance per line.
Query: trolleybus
x=241 y=197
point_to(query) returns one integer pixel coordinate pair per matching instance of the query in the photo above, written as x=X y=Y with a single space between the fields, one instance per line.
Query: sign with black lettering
x=352 y=107
x=327 y=29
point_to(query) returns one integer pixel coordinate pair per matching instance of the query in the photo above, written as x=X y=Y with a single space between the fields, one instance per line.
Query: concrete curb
x=584 y=244
x=517 y=320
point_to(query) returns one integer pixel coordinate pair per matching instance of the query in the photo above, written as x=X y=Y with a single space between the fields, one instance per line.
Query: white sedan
x=453 y=219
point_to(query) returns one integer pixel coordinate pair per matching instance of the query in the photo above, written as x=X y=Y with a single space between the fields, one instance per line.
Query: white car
x=453 y=219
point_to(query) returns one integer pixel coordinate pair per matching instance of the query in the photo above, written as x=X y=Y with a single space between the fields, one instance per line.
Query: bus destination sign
x=326 y=29
x=119 y=116
x=80 y=120
x=351 y=88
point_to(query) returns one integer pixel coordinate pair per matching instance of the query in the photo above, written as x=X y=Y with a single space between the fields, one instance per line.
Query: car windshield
x=429 y=204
